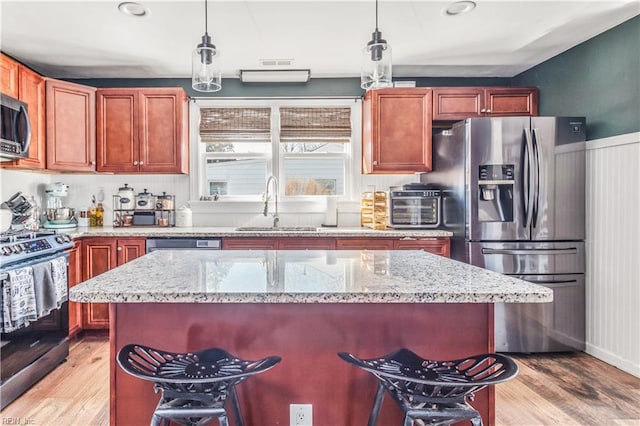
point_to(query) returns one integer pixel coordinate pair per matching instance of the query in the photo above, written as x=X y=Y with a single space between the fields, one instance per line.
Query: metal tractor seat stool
x=194 y=386
x=435 y=392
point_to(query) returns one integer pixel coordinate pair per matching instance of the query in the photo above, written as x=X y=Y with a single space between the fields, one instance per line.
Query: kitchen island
x=304 y=306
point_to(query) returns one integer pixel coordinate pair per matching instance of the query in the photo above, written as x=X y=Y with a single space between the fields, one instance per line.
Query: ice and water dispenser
x=495 y=192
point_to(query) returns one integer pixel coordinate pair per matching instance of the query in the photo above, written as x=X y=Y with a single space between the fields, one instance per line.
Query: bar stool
x=194 y=386
x=436 y=392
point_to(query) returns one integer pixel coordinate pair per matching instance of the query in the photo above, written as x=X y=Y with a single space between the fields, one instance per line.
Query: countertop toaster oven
x=415 y=208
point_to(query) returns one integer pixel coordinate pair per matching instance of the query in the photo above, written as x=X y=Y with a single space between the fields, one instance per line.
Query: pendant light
x=376 y=61
x=205 y=66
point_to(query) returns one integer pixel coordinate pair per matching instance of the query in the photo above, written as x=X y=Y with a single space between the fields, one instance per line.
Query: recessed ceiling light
x=460 y=7
x=133 y=9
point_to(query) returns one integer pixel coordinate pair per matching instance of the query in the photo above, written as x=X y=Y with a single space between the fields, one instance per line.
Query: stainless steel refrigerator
x=513 y=195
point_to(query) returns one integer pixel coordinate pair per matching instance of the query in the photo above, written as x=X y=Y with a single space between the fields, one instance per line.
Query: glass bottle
x=93 y=214
x=99 y=215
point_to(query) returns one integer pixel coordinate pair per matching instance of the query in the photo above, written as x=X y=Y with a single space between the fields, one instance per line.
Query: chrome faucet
x=276 y=219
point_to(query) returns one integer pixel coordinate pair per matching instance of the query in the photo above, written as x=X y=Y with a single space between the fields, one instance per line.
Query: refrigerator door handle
x=555 y=283
x=536 y=191
x=568 y=250
x=528 y=203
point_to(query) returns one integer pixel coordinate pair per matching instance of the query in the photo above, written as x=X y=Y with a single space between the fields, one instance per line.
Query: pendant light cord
x=206 y=15
x=376 y=15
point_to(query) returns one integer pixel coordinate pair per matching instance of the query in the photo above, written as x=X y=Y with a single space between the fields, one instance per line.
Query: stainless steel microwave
x=15 y=129
x=415 y=208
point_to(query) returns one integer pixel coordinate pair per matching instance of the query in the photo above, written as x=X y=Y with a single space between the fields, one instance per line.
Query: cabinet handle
x=119 y=248
x=488 y=111
x=135 y=163
x=407 y=239
x=375 y=163
x=141 y=163
x=483 y=110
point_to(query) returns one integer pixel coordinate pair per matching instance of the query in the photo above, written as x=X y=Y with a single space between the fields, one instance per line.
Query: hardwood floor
x=553 y=389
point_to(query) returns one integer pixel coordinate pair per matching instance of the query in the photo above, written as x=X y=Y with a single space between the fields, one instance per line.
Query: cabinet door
x=511 y=101
x=8 y=76
x=364 y=244
x=98 y=256
x=163 y=130
x=71 y=126
x=440 y=246
x=306 y=243
x=75 y=277
x=457 y=103
x=117 y=131
x=249 y=244
x=396 y=135
x=129 y=249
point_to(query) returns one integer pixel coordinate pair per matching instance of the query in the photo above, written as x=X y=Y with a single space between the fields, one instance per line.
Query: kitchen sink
x=277 y=229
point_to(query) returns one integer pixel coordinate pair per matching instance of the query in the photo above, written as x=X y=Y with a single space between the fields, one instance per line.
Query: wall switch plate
x=301 y=415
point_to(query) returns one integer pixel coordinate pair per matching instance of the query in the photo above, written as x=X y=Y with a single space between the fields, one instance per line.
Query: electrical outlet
x=301 y=415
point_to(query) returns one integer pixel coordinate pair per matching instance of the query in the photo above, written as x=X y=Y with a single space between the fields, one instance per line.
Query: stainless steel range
x=34 y=308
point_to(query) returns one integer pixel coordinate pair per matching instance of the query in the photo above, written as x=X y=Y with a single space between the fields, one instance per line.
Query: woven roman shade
x=315 y=125
x=228 y=125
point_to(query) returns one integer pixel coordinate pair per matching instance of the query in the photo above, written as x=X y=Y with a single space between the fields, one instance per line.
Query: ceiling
x=93 y=39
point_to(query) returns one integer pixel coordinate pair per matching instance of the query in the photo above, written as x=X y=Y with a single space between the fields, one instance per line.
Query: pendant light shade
x=205 y=66
x=376 y=61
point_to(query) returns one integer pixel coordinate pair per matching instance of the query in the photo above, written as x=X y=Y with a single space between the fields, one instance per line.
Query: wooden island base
x=307 y=337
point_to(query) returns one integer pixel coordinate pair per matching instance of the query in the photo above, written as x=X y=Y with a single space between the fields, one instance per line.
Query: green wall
x=598 y=79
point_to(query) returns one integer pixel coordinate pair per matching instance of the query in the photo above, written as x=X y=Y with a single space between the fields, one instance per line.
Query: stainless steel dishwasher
x=179 y=243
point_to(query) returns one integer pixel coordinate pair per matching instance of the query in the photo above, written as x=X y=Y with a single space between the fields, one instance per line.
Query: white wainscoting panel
x=613 y=251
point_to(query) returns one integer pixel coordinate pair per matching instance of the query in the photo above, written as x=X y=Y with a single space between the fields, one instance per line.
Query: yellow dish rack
x=374 y=209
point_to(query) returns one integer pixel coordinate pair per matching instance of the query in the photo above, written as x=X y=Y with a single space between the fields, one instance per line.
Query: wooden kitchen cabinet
x=70 y=126
x=435 y=245
x=439 y=246
x=100 y=255
x=314 y=243
x=75 y=277
x=458 y=103
x=142 y=130
x=8 y=76
x=31 y=90
x=396 y=130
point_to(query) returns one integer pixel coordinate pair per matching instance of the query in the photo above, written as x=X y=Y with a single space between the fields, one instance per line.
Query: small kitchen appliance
x=57 y=215
x=15 y=129
x=20 y=209
x=415 y=206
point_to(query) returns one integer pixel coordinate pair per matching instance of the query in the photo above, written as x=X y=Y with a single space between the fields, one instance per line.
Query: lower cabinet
x=101 y=255
x=75 y=277
x=436 y=245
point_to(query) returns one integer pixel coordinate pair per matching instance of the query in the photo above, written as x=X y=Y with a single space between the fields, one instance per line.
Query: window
x=305 y=144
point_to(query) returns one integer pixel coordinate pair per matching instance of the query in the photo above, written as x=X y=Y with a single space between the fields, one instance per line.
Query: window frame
x=275 y=159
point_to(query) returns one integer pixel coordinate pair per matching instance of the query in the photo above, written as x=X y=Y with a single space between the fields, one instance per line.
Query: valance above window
x=315 y=125
x=225 y=125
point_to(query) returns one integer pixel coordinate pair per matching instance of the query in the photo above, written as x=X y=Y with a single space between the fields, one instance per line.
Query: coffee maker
x=57 y=215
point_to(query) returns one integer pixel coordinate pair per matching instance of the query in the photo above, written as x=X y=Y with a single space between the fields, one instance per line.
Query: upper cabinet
x=458 y=103
x=396 y=130
x=22 y=83
x=8 y=76
x=71 y=126
x=142 y=130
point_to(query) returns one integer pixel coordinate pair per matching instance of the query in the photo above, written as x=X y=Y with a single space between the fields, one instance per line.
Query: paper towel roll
x=331 y=213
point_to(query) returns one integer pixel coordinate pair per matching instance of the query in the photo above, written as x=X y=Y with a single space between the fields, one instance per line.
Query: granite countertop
x=303 y=276
x=233 y=232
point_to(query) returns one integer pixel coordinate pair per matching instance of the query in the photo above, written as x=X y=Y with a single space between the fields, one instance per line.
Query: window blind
x=225 y=125
x=315 y=125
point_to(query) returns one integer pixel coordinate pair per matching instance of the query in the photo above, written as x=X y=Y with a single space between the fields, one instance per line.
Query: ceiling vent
x=276 y=62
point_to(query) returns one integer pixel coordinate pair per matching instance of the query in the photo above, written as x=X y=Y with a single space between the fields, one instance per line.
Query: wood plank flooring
x=551 y=389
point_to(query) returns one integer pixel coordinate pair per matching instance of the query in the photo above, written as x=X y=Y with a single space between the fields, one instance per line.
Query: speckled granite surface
x=232 y=232
x=301 y=276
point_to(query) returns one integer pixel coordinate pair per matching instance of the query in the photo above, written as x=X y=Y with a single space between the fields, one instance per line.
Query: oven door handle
x=4 y=275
